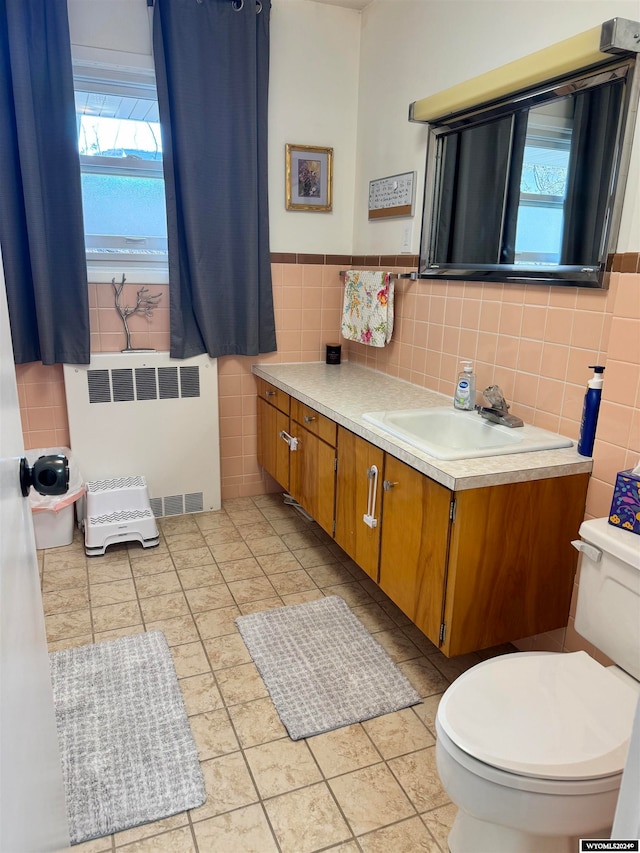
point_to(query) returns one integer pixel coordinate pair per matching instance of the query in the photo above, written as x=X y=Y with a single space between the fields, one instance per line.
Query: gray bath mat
x=322 y=667
x=128 y=755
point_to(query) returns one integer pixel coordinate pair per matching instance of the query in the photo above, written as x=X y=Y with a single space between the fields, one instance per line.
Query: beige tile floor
x=370 y=787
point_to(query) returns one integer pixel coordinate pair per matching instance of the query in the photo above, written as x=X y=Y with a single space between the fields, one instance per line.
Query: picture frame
x=308 y=178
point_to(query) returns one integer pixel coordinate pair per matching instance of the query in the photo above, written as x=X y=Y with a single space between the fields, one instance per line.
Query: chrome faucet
x=498 y=410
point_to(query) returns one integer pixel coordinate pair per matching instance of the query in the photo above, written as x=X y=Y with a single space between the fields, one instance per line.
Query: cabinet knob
x=309 y=419
x=387 y=485
x=269 y=393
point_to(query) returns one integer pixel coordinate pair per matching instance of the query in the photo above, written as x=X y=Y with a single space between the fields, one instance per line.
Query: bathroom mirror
x=530 y=188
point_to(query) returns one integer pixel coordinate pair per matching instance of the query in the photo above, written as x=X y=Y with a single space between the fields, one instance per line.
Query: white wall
x=315 y=55
x=345 y=79
x=111 y=31
x=414 y=48
x=313 y=100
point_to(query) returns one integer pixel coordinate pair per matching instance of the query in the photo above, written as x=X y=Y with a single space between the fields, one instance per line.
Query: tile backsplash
x=536 y=342
x=43 y=405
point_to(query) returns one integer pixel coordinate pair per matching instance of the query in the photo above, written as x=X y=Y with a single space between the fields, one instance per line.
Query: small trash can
x=53 y=515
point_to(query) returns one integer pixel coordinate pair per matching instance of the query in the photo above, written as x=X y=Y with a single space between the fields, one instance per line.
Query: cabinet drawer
x=273 y=395
x=314 y=422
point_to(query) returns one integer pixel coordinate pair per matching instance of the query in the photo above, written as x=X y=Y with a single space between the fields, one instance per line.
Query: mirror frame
x=594 y=276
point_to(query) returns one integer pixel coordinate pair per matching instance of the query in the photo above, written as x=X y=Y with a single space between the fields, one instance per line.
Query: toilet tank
x=608 y=605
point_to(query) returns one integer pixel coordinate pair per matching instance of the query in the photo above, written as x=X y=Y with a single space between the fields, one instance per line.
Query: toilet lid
x=553 y=716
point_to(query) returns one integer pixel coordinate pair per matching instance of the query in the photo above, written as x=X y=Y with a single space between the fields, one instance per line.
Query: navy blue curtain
x=596 y=128
x=212 y=73
x=41 y=225
x=474 y=179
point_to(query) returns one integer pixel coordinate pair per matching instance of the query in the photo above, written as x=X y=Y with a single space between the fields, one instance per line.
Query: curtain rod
x=237 y=5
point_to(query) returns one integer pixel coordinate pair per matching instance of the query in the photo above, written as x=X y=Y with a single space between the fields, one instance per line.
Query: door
x=32 y=805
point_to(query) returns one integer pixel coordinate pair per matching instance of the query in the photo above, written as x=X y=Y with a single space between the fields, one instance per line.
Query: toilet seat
x=549 y=716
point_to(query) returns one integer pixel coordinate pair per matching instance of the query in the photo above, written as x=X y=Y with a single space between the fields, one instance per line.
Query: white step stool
x=118 y=510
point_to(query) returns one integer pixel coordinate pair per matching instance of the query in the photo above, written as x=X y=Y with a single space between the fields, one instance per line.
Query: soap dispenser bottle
x=590 y=411
x=465 y=396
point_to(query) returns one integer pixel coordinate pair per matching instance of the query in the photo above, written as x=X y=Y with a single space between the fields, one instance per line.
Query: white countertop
x=344 y=392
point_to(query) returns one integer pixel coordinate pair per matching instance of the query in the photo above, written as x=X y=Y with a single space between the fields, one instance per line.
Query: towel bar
x=394 y=275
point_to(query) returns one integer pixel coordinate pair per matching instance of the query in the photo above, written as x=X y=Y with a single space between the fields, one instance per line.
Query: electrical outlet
x=406 y=239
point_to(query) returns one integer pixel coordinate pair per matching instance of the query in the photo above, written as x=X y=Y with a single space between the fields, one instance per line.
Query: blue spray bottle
x=590 y=411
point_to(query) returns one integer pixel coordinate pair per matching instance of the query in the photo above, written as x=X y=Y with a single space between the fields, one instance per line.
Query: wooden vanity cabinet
x=312 y=463
x=472 y=568
x=355 y=484
x=480 y=567
x=511 y=564
x=273 y=419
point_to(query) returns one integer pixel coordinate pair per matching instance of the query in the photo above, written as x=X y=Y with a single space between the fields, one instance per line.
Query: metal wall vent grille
x=194 y=502
x=122 y=384
x=177 y=504
x=151 y=383
x=174 y=505
x=146 y=383
x=99 y=386
x=168 y=383
x=190 y=381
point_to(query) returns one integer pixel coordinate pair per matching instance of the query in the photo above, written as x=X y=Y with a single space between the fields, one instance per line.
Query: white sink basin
x=447 y=433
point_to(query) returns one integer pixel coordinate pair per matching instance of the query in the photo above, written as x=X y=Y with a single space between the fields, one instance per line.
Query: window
x=121 y=161
x=543 y=185
x=528 y=188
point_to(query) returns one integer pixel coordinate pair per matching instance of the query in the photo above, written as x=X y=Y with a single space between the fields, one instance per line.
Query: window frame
x=109 y=255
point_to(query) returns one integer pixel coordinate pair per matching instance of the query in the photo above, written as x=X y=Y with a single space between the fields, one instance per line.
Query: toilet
x=531 y=746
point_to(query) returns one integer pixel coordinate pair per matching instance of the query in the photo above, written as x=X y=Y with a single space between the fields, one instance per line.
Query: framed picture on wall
x=308 y=177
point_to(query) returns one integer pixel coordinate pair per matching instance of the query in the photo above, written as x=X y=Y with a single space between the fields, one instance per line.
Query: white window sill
x=103 y=274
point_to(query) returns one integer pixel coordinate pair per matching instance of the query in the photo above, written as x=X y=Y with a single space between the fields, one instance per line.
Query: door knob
x=48 y=476
x=387 y=485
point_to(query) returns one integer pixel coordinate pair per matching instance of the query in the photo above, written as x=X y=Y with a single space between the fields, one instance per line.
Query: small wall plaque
x=392 y=196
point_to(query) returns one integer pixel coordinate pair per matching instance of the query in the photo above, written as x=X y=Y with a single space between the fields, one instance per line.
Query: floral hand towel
x=367 y=315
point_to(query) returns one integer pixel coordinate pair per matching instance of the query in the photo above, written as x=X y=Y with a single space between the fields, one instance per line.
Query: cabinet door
x=414 y=544
x=273 y=451
x=355 y=459
x=512 y=566
x=312 y=480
